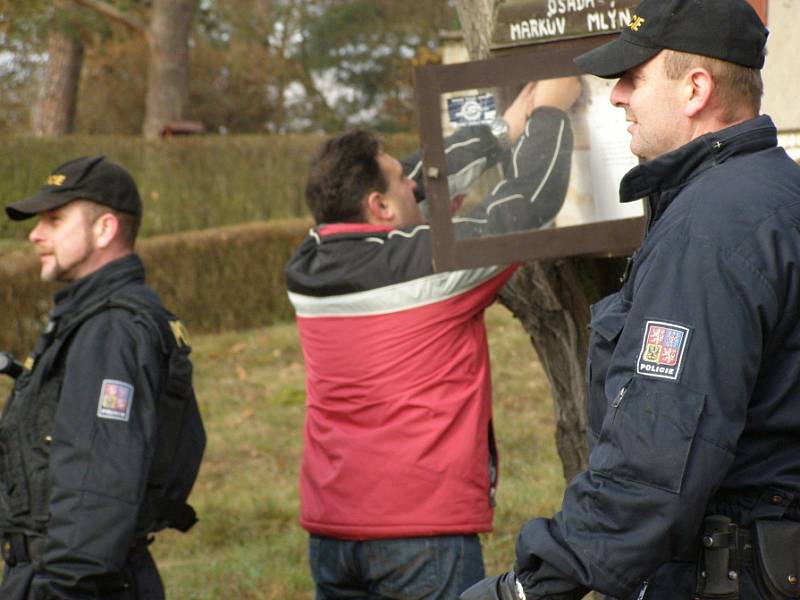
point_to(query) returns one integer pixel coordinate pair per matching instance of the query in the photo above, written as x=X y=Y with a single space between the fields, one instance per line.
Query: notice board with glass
x=533 y=40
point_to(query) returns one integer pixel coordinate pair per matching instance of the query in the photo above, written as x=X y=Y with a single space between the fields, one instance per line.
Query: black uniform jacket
x=693 y=373
x=103 y=433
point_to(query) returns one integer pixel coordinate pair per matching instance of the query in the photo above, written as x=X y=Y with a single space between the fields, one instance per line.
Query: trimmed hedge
x=186 y=183
x=214 y=280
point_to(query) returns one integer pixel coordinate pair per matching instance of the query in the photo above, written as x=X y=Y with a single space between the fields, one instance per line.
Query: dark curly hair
x=343 y=172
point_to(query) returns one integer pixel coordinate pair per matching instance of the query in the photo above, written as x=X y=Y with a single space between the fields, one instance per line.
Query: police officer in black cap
x=101 y=439
x=693 y=484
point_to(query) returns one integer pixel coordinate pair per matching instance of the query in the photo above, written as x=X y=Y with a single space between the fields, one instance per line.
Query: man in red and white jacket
x=398 y=472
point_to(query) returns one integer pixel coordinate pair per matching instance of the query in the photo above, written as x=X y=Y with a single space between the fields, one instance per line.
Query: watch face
x=499 y=127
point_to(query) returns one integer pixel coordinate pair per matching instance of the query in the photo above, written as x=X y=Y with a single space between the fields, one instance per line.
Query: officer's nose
x=620 y=93
x=35 y=235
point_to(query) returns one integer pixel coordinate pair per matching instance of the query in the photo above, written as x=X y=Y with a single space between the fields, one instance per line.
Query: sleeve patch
x=116 y=398
x=662 y=351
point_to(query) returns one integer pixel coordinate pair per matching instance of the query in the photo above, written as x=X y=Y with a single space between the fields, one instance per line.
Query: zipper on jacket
x=648 y=217
x=643 y=591
x=618 y=400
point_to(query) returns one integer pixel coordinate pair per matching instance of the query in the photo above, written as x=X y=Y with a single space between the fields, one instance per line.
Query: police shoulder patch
x=116 y=398
x=662 y=351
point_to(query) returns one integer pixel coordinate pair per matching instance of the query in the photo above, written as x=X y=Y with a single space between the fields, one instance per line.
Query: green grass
x=248 y=544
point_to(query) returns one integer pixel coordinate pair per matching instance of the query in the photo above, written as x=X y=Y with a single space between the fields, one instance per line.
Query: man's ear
x=698 y=89
x=378 y=209
x=105 y=229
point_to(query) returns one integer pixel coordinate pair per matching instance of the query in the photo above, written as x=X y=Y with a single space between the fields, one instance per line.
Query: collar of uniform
x=676 y=168
x=99 y=284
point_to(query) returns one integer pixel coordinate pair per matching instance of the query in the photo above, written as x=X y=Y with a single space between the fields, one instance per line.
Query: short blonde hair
x=737 y=87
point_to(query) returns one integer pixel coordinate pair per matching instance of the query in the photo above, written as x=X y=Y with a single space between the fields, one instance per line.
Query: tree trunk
x=476 y=23
x=168 y=70
x=54 y=113
x=548 y=298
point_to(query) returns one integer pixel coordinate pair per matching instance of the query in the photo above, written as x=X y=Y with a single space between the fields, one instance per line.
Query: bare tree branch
x=115 y=14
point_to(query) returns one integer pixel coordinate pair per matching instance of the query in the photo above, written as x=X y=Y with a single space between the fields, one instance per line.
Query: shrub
x=186 y=183
x=214 y=280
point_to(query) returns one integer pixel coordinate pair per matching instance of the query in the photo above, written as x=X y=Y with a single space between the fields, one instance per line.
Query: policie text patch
x=662 y=350
x=116 y=398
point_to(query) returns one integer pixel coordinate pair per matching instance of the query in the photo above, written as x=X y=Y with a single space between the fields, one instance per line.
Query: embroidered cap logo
x=636 y=22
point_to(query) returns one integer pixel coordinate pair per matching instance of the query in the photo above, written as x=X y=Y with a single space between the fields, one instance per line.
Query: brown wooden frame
x=512 y=67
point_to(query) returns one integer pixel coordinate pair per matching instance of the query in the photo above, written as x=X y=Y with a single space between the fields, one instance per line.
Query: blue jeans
x=421 y=568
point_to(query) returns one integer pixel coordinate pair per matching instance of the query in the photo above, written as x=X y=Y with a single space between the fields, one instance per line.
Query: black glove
x=500 y=587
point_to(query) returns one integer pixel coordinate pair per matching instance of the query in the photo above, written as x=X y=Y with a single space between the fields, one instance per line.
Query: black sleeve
x=536 y=177
x=103 y=445
x=469 y=152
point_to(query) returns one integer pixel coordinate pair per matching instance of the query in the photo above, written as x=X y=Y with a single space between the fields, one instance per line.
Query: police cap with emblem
x=729 y=30
x=87 y=178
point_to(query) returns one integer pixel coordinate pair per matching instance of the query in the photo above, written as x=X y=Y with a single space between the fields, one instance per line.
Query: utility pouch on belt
x=718 y=576
x=778 y=550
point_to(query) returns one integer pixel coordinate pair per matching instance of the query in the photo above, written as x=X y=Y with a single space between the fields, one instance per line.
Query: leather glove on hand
x=500 y=587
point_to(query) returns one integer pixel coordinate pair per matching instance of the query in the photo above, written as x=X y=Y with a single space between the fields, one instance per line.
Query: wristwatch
x=499 y=129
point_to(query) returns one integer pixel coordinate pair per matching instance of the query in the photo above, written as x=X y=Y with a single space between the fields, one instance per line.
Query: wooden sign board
x=761 y=9
x=523 y=22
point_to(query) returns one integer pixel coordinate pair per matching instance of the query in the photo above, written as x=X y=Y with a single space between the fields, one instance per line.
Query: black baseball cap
x=87 y=178
x=729 y=30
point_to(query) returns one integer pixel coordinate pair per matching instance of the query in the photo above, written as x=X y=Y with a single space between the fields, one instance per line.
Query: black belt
x=767 y=503
x=20 y=548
